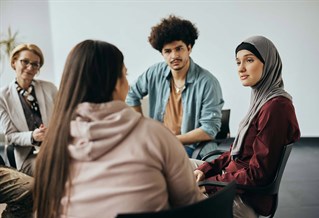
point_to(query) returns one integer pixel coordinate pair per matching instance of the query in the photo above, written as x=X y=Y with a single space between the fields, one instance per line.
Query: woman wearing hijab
x=269 y=124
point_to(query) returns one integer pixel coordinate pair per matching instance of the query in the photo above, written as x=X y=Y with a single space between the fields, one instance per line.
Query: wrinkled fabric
x=13 y=121
x=123 y=162
x=16 y=191
x=274 y=126
x=202 y=99
x=270 y=85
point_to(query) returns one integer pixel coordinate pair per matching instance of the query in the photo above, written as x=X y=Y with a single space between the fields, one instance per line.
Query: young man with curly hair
x=185 y=97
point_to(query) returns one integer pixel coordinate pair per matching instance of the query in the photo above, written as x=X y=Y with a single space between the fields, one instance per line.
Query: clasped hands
x=39 y=133
x=199 y=176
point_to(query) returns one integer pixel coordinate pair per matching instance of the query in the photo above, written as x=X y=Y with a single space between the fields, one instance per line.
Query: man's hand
x=194 y=136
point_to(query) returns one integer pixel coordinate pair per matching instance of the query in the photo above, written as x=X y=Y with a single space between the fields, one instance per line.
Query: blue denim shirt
x=202 y=98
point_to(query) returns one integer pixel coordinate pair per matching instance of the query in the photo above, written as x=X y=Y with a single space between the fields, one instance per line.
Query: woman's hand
x=39 y=133
x=199 y=175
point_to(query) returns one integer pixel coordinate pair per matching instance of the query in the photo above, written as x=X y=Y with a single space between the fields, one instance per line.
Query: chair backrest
x=273 y=187
x=10 y=155
x=2 y=163
x=7 y=150
x=224 y=132
x=220 y=205
x=2 y=143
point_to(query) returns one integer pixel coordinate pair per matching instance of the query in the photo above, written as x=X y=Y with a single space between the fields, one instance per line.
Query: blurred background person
x=25 y=106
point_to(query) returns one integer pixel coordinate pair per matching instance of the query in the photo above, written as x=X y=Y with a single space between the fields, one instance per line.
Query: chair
x=2 y=143
x=224 y=132
x=10 y=155
x=220 y=205
x=272 y=188
x=2 y=163
x=221 y=136
x=7 y=150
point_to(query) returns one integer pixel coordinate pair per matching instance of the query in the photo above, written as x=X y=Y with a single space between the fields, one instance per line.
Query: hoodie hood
x=98 y=128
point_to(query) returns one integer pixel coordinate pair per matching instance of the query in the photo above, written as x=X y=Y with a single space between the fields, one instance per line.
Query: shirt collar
x=190 y=77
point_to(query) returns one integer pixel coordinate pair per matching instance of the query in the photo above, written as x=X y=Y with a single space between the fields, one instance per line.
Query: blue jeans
x=189 y=150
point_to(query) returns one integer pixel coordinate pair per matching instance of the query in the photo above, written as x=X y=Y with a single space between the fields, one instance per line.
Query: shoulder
x=203 y=74
x=6 y=90
x=277 y=117
x=277 y=104
x=46 y=85
x=278 y=108
x=153 y=126
x=158 y=69
x=204 y=80
x=159 y=65
x=157 y=137
x=156 y=130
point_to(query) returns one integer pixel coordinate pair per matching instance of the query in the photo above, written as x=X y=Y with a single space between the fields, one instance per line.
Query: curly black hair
x=172 y=29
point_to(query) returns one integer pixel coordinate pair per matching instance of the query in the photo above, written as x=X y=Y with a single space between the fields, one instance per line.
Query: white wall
x=292 y=25
x=32 y=21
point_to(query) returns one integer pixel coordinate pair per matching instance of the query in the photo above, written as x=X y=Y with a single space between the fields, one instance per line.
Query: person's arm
x=14 y=136
x=138 y=109
x=138 y=90
x=8 y=128
x=181 y=185
x=194 y=136
x=211 y=110
x=214 y=167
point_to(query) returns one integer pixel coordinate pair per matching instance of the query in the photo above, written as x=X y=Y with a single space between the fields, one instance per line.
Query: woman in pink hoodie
x=100 y=158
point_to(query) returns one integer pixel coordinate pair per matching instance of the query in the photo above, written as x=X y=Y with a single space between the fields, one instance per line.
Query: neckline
x=178 y=89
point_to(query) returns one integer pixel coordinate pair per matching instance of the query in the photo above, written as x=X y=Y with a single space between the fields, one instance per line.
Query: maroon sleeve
x=215 y=166
x=274 y=126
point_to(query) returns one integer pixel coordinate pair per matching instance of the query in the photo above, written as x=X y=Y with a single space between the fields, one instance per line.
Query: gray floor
x=298 y=194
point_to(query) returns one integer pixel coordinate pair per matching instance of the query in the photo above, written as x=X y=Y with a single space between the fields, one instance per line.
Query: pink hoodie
x=123 y=162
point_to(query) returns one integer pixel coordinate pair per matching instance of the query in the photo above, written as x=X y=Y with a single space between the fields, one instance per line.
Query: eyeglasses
x=26 y=63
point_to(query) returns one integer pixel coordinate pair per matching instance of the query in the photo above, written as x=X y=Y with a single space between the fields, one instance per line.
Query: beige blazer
x=12 y=119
